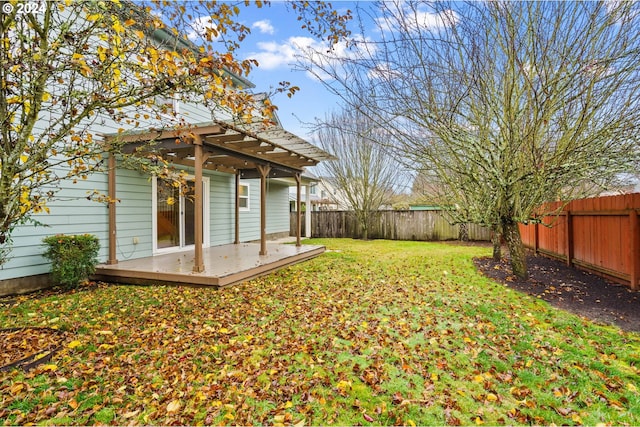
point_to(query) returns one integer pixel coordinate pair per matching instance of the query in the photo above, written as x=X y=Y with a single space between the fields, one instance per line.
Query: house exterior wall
x=72 y=213
x=134 y=215
x=134 y=212
x=277 y=210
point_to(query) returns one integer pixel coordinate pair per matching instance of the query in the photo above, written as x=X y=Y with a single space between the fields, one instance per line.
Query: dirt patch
x=574 y=290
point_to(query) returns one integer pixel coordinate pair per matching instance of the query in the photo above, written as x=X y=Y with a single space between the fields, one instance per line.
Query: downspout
x=111 y=178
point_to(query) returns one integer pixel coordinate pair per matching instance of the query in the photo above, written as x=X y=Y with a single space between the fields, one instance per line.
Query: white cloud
x=308 y=53
x=199 y=27
x=264 y=26
x=612 y=5
x=428 y=20
x=272 y=55
x=415 y=20
x=620 y=10
x=383 y=71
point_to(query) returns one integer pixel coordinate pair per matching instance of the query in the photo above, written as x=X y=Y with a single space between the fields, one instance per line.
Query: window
x=244 y=197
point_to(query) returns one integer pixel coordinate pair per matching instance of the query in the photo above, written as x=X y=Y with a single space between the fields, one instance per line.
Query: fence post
x=569 y=238
x=634 y=253
x=535 y=238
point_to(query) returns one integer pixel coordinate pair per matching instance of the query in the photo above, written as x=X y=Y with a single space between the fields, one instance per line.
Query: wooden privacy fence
x=393 y=225
x=599 y=234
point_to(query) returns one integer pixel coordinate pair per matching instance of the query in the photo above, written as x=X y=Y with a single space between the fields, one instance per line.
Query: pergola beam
x=157 y=135
x=224 y=139
x=243 y=144
x=262 y=149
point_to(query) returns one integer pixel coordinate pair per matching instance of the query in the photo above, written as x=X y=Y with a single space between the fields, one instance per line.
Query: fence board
x=603 y=236
x=393 y=225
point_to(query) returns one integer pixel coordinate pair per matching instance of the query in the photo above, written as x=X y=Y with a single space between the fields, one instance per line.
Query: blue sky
x=274 y=40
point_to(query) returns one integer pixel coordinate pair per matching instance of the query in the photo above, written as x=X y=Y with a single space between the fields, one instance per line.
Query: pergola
x=263 y=153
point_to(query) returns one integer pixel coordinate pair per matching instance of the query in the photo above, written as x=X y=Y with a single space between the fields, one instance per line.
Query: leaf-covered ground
x=371 y=332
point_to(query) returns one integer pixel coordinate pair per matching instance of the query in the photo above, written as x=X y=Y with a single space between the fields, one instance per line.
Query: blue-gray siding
x=72 y=213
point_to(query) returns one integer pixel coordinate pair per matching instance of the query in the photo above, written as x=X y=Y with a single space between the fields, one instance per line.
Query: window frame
x=246 y=197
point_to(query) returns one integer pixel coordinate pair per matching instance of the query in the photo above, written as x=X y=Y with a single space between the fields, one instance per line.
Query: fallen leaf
x=16 y=388
x=174 y=406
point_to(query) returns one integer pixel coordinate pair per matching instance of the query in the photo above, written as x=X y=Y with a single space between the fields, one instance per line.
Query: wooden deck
x=224 y=265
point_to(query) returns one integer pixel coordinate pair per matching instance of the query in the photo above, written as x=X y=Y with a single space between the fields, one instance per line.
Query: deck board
x=224 y=265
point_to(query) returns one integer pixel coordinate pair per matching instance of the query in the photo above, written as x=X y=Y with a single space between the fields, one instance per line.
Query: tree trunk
x=365 y=233
x=364 y=226
x=496 y=240
x=463 y=234
x=516 y=250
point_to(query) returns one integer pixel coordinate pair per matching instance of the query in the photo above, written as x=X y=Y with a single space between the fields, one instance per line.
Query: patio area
x=224 y=265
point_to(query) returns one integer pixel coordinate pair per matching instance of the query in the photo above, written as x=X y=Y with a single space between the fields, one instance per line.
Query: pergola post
x=237 y=210
x=264 y=172
x=198 y=262
x=307 y=213
x=111 y=178
x=298 y=209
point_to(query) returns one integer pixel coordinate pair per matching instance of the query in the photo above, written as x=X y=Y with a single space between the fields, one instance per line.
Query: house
x=628 y=183
x=330 y=197
x=214 y=232
x=322 y=195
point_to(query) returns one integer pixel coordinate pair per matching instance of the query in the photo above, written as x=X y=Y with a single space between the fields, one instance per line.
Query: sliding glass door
x=174 y=208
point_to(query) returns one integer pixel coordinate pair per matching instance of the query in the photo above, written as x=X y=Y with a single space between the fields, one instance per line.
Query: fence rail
x=392 y=225
x=599 y=234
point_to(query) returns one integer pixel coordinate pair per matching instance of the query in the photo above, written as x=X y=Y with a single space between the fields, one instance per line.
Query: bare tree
x=364 y=173
x=503 y=105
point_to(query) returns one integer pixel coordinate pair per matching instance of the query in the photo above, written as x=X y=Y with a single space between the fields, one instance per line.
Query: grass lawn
x=369 y=333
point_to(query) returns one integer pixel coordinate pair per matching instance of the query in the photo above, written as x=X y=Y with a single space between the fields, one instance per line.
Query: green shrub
x=73 y=258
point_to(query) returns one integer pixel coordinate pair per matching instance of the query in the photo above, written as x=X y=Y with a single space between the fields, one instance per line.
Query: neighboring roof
x=419 y=207
x=309 y=176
